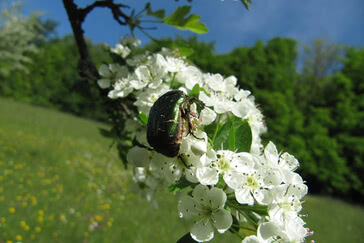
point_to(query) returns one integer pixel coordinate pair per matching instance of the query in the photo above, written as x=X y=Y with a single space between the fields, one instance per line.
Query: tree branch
x=114 y=7
x=86 y=66
x=76 y=16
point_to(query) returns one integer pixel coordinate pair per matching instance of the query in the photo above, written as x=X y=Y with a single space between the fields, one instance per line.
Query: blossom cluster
x=225 y=178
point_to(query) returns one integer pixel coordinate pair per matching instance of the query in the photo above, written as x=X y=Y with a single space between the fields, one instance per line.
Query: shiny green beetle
x=169 y=119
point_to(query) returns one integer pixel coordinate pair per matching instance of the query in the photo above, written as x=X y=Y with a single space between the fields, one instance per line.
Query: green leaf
x=160 y=14
x=210 y=130
x=195 y=92
x=143 y=118
x=180 y=185
x=246 y=3
x=193 y=24
x=222 y=137
x=178 y=16
x=232 y=138
x=242 y=135
x=180 y=20
x=235 y=135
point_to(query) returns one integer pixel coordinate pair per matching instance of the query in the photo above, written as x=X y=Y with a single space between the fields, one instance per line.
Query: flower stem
x=244 y=227
x=216 y=129
x=245 y=214
x=236 y=232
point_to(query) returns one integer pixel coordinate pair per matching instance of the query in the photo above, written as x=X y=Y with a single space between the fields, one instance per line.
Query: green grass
x=58 y=176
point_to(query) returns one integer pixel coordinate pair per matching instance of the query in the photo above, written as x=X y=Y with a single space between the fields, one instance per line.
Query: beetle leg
x=185 y=113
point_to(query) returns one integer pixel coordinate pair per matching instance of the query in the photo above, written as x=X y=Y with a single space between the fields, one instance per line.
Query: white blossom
x=205 y=210
x=261 y=177
x=170 y=169
x=121 y=50
x=110 y=74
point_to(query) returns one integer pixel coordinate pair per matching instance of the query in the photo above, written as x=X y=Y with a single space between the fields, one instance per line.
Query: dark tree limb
x=115 y=8
x=76 y=16
x=86 y=66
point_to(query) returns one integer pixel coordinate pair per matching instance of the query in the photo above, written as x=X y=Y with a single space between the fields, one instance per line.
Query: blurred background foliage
x=312 y=96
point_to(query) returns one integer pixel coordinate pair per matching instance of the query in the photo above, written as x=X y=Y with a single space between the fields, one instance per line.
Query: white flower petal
x=104 y=71
x=267 y=230
x=207 y=176
x=207 y=116
x=200 y=193
x=243 y=196
x=215 y=82
x=138 y=156
x=140 y=174
x=242 y=94
x=263 y=196
x=104 y=83
x=142 y=73
x=251 y=239
x=190 y=77
x=169 y=168
x=191 y=175
x=273 y=177
x=298 y=190
x=216 y=197
x=206 y=99
x=271 y=153
x=241 y=109
x=223 y=220
x=288 y=161
x=233 y=179
x=199 y=147
x=242 y=162
x=186 y=207
x=202 y=231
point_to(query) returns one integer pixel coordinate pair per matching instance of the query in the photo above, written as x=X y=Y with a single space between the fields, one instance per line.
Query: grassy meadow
x=60 y=182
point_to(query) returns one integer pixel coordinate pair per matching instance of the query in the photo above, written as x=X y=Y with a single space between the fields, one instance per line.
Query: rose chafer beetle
x=169 y=119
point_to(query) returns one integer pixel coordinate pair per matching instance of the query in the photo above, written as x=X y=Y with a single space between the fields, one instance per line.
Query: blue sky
x=230 y=24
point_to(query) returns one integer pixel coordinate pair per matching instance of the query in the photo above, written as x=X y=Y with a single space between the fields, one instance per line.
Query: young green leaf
x=160 y=14
x=195 y=90
x=246 y=3
x=180 y=20
x=143 y=118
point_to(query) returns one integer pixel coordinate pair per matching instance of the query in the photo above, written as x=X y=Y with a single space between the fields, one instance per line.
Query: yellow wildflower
x=109 y=224
x=99 y=218
x=40 y=219
x=106 y=206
